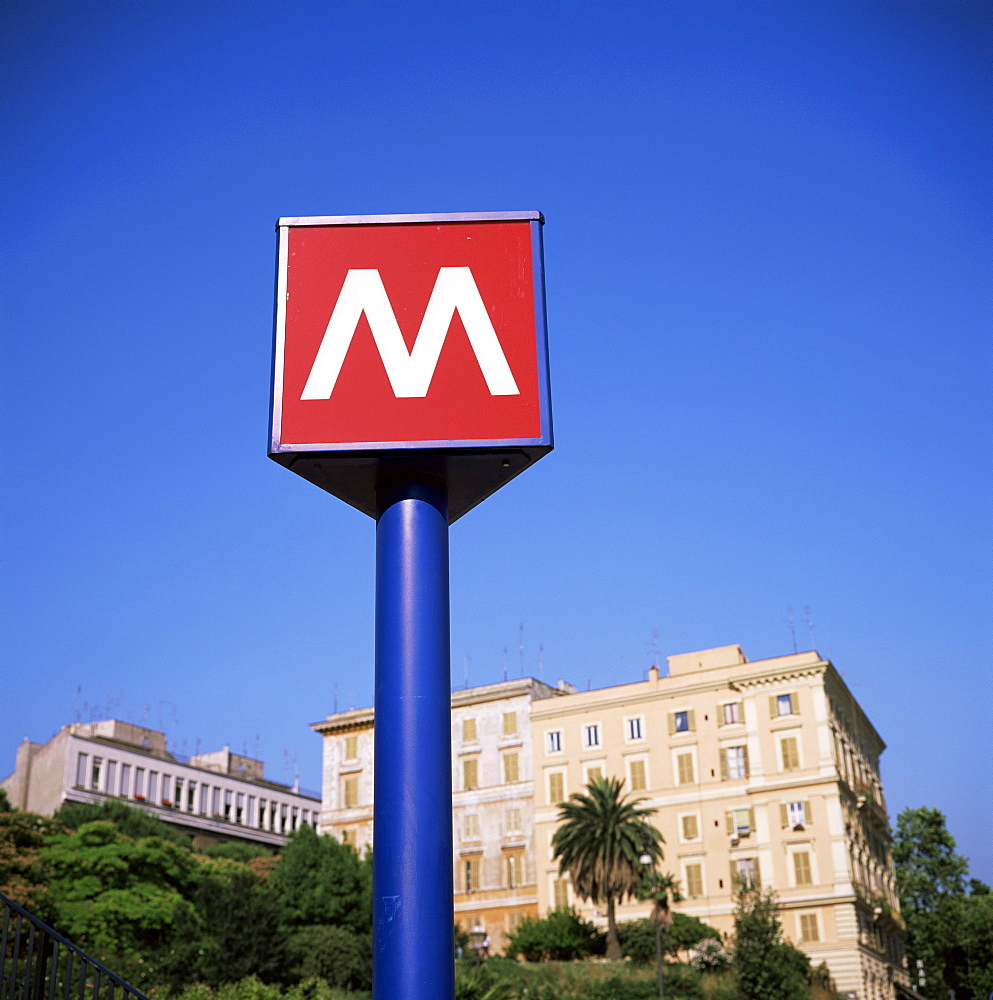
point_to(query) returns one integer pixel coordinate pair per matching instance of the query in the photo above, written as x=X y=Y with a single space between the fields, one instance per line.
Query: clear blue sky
x=769 y=302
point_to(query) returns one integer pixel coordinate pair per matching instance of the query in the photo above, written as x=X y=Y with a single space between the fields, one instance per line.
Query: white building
x=213 y=796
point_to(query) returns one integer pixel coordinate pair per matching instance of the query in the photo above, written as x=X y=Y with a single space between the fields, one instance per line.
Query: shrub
x=561 y=936
x=336 y=954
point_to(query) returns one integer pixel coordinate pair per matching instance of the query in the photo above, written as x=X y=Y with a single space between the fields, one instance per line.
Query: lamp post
x=477 y=936
x=646 y=859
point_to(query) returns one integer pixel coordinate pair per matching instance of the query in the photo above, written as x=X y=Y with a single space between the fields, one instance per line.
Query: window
x=554 y=741
x=793 y=814
x=111 y=776
x=734 y=763
x=513 y=820
x=513 y=921
x=593 y=774
x=153 y=785
x=801 y=868
x=178 y=797
x=740 y=822
x=470 y=827
x=81 y=761
x=262 y=809
x=510 y=768
x=350 y=791
x=191 y=793
x=637 y=770
x=809 y=931
x=634 y=728
x=682 y=722
x=139 y=782
x=509 y=723
x=560 y=893
x=351 y=748
x=348 y=838
x=250 y=815
x=591 y=735
x=694 y=881
x=690 y=827
x=471 y=874
x=782 y=704
x=515 y=870
x=227 y=805
x=470 y=773
x=95 y=773
x=166 y=789
x=745 y=871
x=125 y=780
x=684 y=769
x=731 y=713
x=468 y=730
x=239 y=809
x=556 y=788
x=791 y=753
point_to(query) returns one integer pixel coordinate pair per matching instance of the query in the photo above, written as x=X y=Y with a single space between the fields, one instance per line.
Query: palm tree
x=602 y=836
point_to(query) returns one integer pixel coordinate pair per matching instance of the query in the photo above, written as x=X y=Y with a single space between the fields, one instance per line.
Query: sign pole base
x=413 y=914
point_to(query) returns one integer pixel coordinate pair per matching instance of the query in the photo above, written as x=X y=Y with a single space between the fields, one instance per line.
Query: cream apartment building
x=492 y=802
x=767 y=771
x=214 y=796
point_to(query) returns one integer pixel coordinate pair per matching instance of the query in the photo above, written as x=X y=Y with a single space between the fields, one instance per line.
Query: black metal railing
x=37 y=963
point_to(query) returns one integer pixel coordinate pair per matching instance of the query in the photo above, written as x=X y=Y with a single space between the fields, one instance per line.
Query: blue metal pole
x=412 y=847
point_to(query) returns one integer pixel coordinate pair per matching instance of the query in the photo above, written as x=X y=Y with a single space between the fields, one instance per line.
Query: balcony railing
x=37 y=963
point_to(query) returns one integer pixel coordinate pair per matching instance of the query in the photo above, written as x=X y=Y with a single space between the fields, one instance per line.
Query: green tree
x=768 y=967
x=115 y=894
x=233 y=930
x=132 y=822
x=562 y=936
x=5 y=803
x=637 y=937
x=601 y=839
x=949 y=930
x=323 y=882
x=24 y=876
x=335 y=954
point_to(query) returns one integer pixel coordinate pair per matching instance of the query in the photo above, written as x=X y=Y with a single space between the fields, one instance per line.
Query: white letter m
x=409 y=372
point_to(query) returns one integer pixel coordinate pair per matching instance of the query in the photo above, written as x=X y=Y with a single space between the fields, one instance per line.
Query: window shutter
x=735 y=877
x=773 y=711
x=744 y=755
x=731 y=829
x=806 y=812
x=672 y=723
x=794 y=703
x=724 y=764
x=741 y=711
x=784 y=815
x=758 y=877
x=637 y=775
x=509 y=723
x=691 y=720
x=555 y=788
x=751 y=819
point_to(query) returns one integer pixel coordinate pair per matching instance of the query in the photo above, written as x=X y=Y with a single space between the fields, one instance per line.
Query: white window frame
x=799 y=926
x=634 y=729
x=807 y=849
x=703 y=876
x=736 y=705
x=676 y=753
x=796 y=814
x=685 y=713
x=553 y=741
x=791 y=734
x=739 y=768
x=642 y=760
x=591 y=729
x=788 y=695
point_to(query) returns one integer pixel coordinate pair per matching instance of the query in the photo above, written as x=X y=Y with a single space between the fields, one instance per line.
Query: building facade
x=213 y=796
x=766 y=771
x=495 y=871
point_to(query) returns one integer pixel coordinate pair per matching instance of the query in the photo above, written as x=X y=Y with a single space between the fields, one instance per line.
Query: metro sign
x=410 y=345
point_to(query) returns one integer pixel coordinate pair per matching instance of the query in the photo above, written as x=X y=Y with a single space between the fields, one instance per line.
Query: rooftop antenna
x=541 y=663
x=465 y=670
x=810 y=626
x=504 y=662
x=76 y=716
x=792 y=626
x=520 y=647
x=351 y=701
x=655 y=649
x=296 y=774
x=335 y=698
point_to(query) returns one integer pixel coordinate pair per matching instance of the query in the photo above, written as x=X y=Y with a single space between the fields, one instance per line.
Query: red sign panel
x=411 y=332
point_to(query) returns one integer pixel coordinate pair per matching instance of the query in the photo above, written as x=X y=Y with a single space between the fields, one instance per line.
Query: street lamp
x=646 y=859
x=477 y=936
